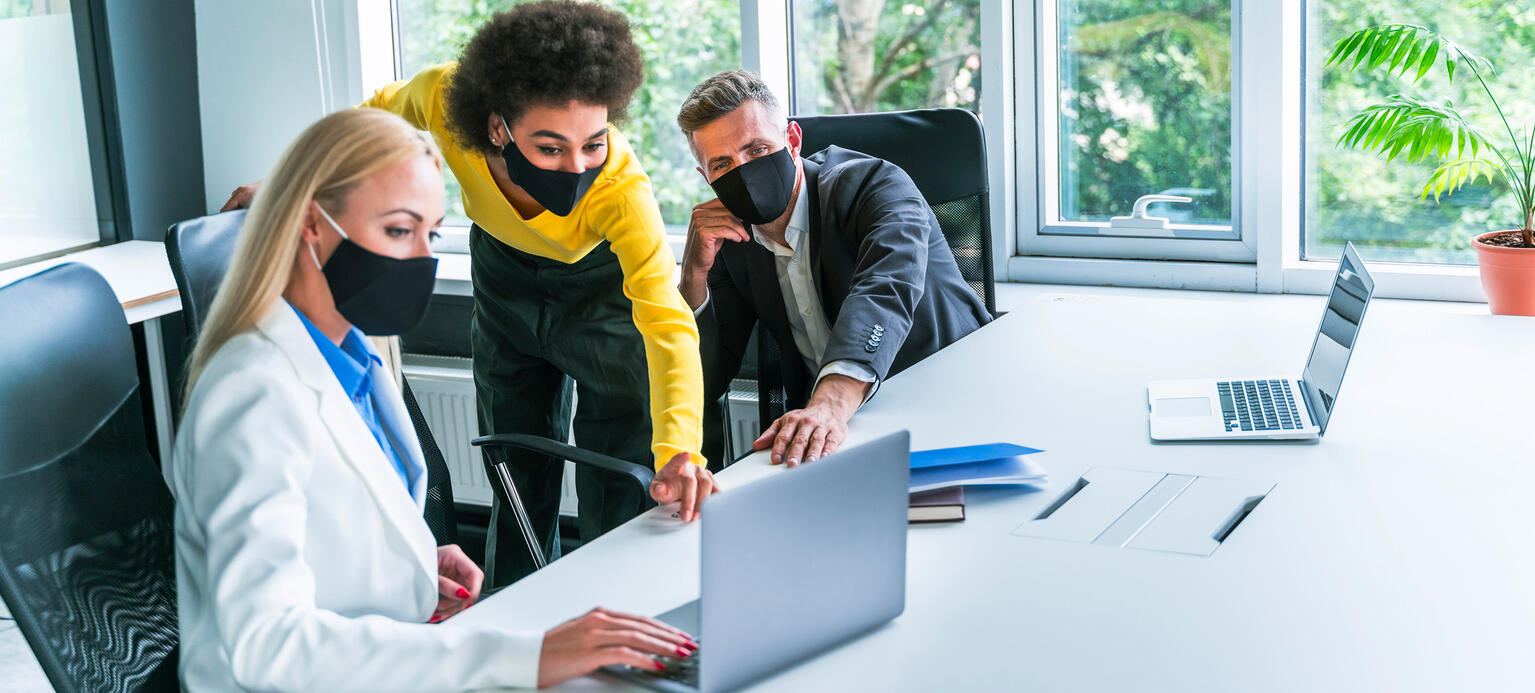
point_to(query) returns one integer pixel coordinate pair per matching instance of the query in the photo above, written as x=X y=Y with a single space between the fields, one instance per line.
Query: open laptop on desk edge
x=1272 y=408
x=792 y=564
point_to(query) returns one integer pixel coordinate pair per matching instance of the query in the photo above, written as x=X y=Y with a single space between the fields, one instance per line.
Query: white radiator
x=741 y=417
x=444 y=388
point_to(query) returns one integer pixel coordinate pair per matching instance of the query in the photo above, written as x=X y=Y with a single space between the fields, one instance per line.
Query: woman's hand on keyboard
x=606 y=638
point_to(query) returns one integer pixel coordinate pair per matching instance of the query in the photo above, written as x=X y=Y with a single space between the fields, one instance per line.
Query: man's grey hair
x=722 y=94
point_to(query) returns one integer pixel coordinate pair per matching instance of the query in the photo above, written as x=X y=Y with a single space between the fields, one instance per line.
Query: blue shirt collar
x=350 y=362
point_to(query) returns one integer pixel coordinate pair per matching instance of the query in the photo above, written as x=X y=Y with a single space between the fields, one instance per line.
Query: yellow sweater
x=619 y=207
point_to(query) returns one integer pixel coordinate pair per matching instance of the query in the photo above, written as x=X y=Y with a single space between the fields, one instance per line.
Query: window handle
x=1139 y=223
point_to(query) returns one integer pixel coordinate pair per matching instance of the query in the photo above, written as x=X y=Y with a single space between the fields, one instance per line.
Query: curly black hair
x=542 y=53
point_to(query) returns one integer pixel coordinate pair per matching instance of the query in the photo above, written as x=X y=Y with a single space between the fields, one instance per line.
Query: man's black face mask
x=758 y=191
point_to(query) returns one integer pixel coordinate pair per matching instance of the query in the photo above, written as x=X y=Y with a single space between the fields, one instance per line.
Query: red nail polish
x=682 y=653
x=463 y=593
x=435 y=619
x=691 y=645
x=659 y=665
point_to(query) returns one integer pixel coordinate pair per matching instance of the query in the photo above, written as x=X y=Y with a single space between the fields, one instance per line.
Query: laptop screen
x=1351 y=291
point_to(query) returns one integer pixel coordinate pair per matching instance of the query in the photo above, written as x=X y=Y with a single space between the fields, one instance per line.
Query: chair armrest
x=539 y=444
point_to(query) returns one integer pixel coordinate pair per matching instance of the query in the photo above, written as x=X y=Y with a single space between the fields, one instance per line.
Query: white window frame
x=1045 y=233
x=1268 y=48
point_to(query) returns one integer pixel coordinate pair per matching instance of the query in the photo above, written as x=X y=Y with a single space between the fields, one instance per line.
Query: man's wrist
x=840 y=392
x=694 y=286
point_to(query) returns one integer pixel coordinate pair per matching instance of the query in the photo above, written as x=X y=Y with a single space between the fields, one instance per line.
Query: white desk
x=138 y=272
x=1398 y=554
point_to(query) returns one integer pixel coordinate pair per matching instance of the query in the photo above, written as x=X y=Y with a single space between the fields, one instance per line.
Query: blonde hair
x=327 y=161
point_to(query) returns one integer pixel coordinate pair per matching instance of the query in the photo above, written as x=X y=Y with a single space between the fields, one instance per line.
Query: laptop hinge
x=1305 y=395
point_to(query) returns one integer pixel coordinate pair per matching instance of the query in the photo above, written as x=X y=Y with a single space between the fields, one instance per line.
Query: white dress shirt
x=802 y=300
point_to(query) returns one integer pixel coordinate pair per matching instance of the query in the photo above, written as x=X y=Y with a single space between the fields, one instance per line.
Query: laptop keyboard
x=1258 y=405
x=683 y=670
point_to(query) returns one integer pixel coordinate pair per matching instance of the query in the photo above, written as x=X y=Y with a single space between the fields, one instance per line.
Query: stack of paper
x=976 y=465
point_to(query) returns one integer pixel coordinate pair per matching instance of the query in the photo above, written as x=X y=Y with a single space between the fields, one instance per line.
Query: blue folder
x=993 y=463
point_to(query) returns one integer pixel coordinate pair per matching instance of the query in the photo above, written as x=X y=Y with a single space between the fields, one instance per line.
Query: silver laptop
x=1272 y=408
x=791 y=565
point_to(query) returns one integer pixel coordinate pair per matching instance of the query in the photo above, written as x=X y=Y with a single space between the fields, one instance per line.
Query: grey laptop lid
x=806 y=558
x=1352 y=288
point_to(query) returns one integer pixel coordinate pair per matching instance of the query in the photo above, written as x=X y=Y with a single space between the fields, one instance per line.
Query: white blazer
x=302 y=562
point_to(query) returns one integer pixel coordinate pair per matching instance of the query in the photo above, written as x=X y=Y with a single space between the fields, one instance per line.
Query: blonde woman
x=303 y=562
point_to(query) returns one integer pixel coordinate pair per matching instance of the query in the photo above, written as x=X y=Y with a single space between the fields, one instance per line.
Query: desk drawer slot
x=1152 y=511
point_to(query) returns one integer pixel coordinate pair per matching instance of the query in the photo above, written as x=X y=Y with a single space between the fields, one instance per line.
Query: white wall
x=265 y=71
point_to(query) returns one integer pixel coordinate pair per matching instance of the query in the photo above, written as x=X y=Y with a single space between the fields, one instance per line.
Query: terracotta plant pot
x=1508 y=277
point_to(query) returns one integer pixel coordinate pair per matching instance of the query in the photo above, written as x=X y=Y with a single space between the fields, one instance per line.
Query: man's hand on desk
x=605 y=638
x=681 y=481
x=804 y=435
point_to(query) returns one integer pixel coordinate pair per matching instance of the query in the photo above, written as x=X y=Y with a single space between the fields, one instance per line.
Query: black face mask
x=758 y=191
x=557 y=191
x=381 y=295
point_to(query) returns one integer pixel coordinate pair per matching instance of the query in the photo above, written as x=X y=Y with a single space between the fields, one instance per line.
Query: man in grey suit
x=836 y=255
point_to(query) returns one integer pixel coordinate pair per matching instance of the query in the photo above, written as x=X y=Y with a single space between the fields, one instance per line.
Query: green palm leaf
x=1417 y=130
x=1456 y=174
x=1413 y=129
x=1403 y=48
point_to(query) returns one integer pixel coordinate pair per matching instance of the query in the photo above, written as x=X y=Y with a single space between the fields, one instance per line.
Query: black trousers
x=540 y=326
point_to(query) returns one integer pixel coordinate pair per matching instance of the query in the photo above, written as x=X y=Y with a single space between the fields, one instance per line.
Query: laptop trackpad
x=1183 y=406
x=684 y=617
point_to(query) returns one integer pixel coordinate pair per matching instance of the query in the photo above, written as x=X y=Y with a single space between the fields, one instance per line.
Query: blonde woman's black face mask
x=382 y=296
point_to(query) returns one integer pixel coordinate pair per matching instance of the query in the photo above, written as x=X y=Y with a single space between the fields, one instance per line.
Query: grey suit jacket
x=888 y=282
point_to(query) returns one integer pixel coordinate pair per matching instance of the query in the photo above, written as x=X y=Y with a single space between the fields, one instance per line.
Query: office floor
x=19 y=672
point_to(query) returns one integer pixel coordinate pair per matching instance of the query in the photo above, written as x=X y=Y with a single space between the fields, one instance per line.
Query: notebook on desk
x=937 y=505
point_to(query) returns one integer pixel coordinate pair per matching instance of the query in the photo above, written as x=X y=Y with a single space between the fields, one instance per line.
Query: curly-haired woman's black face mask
x=557 y=191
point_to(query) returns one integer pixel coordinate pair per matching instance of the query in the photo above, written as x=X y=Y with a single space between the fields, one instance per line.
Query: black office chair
x=944 y=152
x=496 y=449
x=86 y=545
x=199 y=252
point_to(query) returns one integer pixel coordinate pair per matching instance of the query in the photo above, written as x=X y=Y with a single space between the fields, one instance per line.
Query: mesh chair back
x=440 y=514
x=199 y=251
x=944 y=152
x=772 y=395
x=86 y=545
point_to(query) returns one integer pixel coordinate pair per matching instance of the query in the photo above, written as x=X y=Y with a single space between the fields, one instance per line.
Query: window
x=860 y=56
x=47 y=197
x=1355 y=195
x=683 y=42
x=1134 y=99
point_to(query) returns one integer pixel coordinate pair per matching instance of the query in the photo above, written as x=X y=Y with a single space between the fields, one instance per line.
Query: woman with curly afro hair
x=573 y=278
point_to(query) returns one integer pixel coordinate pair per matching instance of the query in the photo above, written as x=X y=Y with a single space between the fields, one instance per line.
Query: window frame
x=108 y=178
x=1267 y=206
x=1043 y=233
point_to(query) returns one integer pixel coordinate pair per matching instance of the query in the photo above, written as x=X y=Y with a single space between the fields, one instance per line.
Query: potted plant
x=1414 y=130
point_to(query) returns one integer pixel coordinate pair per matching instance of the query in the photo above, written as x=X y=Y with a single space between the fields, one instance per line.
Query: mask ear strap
x=332 y=222
x=312 y=254
x=508 y=129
